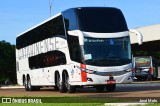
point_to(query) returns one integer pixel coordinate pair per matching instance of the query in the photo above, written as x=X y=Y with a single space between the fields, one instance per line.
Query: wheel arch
x=63 y=74
x=28 y=77
x=23 y=79
x=55 y=75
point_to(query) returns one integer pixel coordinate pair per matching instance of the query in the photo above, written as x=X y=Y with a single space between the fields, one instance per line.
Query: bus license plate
x=111 y=82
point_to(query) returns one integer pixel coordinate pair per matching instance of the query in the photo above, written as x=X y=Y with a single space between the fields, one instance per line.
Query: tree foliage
x=7 y=61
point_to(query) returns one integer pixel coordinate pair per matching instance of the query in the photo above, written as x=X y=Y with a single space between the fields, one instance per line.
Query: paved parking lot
x=149 y=89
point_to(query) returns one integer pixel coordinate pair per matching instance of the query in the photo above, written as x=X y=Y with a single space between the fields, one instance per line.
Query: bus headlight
x=86 y=70
x=128 y=70
x=90 y=71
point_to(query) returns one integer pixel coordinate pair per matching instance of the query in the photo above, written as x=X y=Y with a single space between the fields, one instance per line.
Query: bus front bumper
x=103 y=80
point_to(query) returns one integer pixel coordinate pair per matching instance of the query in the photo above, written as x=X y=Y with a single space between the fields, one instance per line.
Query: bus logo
x=111 y=41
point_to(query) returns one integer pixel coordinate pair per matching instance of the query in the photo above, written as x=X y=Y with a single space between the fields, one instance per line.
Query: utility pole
x=50 y=6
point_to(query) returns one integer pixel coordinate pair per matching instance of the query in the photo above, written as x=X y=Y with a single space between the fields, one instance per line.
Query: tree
x=7 y=61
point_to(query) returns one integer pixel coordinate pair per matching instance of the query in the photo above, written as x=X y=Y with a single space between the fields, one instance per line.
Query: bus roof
x=91 y=8
x=60 y=14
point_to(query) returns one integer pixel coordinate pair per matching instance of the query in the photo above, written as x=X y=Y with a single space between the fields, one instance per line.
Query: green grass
x=68 y=104
x=69 y=101
x=154 y=104
x=56 y=104
x=65 y=100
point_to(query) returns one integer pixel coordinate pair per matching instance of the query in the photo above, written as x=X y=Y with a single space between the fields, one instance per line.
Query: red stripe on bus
x=151 y=70
x=83 y=74
x=134 y=70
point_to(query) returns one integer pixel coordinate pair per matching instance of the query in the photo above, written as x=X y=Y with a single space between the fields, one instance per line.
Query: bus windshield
x=107 y=51
x=142 y=61
x=101 y=20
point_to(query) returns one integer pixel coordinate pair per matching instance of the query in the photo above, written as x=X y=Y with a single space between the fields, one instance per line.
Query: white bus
x=87 y=46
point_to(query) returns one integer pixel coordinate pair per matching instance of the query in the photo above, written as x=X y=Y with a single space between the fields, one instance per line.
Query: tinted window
x=70 y=20
x=49 y=29
x=107 y=51
x=52 y=58
x=142 y=61
x=102 y=20
x=74 y=48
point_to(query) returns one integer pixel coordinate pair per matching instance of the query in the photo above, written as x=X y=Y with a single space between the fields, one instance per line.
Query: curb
x=145 y=82
x=125 y=104
x=139 y=85
x=11 y=87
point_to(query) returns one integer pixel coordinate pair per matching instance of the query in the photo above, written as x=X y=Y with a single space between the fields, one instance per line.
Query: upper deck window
x=70 y=20
x=47 y=30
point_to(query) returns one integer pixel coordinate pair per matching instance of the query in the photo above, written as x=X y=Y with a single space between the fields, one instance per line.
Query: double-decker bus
x=86 y=46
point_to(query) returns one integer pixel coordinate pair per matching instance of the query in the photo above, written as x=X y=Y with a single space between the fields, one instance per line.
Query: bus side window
x=70 y=20
x=74 y=48
x=75 y=55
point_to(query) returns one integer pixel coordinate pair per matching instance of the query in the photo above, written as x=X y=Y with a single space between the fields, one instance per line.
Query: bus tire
x=149 y=77
x=111 y=87
x=154 y=77
x=36 y=88
x=100 y=88
x=24 y=80
x=60 y=85
x=56 y=87
x=30 y=87
x=26 y=84
x=70 y=88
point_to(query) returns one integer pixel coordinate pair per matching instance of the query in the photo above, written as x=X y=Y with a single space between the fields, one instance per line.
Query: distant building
x=151 y=38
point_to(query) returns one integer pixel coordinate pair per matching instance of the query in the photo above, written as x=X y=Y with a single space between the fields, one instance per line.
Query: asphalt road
x=122 y=90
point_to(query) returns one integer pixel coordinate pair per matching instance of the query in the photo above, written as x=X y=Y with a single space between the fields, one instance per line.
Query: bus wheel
x=30 y=87
x=70 y=89
x=36 y=88
x=56 y=87
x=26 y=84
x=149 y=77
x=100 y=88
x=111 y=87
x=60 y=85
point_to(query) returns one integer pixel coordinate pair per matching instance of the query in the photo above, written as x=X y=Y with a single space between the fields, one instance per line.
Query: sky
x=16 y=16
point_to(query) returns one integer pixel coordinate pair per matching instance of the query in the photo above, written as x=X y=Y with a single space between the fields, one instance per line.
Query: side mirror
x=139 y=35
x=78 y=34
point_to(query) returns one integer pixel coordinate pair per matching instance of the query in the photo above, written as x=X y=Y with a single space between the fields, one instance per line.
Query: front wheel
x=111 y=87
x=100 y=88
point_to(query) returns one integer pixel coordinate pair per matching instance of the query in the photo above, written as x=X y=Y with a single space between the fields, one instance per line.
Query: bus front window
x=143 y=61
x=107 y=51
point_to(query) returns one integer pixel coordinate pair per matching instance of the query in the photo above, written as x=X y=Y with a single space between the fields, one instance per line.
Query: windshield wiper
x=112 y=57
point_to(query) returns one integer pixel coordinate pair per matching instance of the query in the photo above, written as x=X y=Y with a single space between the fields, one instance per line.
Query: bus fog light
x=89 y=79
x=90 y=71
x=129 y=78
